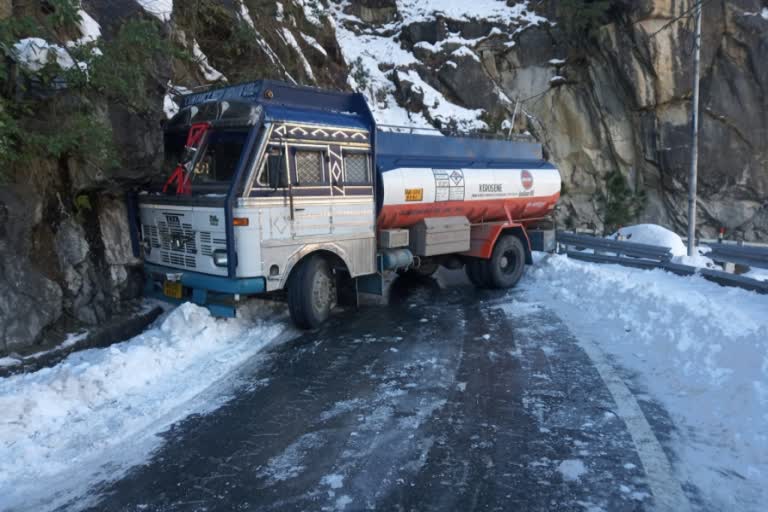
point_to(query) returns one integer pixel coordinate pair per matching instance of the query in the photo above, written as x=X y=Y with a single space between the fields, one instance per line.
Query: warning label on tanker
x=414 y=194
x=449 y=184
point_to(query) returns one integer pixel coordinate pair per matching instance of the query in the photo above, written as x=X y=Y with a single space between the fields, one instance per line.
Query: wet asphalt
x=442 y=400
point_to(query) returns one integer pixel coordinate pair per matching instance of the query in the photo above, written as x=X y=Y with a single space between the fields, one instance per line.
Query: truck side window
x=356 y=168
x=272 y=172
x=309 y=167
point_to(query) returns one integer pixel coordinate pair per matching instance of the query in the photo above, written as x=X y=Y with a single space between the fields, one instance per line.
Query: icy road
x=587 y=388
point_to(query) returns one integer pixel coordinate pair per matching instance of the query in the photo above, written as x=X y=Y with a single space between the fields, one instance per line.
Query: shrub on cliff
x=54 y=90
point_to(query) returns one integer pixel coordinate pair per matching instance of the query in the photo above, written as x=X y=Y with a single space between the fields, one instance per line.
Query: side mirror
x=276 y=171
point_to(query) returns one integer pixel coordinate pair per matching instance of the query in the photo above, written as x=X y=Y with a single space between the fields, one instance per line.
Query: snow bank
x=64 y=420
x=699 y=349
x=653 y=234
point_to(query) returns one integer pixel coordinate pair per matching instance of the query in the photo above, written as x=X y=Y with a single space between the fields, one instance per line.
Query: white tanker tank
x=483 y=180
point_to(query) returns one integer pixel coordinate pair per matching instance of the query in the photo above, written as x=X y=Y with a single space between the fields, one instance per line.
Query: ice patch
x=288 y=464
x=333 y=481
x=572 y=469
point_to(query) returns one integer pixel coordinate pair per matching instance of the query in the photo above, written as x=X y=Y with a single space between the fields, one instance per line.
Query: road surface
x=443 y=400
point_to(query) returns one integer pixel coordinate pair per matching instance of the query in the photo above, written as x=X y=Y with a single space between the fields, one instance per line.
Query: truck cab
x=279 y=175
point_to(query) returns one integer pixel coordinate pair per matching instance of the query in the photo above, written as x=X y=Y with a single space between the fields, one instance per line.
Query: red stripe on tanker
x=481 y=195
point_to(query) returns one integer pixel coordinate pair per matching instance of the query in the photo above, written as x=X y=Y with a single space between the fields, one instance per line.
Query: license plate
x=172 y=289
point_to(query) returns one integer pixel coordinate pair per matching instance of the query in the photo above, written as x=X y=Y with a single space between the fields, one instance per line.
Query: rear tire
x=477 y=272
x=311 y=293
x=507 y=263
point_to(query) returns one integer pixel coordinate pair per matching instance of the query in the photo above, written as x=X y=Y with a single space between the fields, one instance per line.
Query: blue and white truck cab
x=281 y=187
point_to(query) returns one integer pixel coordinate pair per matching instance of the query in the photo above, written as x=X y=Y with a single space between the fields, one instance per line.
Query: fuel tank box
x=440 y=235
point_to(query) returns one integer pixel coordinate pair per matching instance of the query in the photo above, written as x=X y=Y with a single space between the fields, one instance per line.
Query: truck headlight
x=220 y=258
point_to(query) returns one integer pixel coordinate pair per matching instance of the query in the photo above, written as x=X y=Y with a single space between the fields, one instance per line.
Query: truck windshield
x=216 y=166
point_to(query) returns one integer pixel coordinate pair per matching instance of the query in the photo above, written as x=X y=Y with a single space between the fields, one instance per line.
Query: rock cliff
x=604 y=85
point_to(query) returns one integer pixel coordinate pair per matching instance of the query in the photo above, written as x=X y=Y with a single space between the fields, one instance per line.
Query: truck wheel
x=477 y=272
x=311 y=293
x=507 y=263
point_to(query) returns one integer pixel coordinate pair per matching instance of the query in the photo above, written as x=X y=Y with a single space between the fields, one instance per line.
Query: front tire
x=311 y=293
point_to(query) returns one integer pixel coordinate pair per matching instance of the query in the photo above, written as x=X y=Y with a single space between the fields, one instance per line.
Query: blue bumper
x=214 y=292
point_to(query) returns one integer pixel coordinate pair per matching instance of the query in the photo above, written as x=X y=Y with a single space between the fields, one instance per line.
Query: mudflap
x=347 y=290
x=372 y=283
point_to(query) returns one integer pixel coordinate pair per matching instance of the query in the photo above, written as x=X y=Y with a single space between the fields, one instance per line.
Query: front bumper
x=217 y=293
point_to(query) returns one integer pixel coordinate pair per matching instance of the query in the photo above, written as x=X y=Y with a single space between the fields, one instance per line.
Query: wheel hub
x=322 y=292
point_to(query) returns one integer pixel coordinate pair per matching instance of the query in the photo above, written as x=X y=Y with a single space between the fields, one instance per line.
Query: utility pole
x=693 y=178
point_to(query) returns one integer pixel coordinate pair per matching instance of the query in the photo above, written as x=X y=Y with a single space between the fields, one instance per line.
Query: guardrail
x=644 y=256
x=740 y=254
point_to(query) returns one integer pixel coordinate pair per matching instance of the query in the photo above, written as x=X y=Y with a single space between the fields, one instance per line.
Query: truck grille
x=178 y=244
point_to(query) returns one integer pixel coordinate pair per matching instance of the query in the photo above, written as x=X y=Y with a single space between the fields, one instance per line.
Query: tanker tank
x=484 y=180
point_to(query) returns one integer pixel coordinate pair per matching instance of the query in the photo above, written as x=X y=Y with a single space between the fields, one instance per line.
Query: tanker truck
x=280 y=189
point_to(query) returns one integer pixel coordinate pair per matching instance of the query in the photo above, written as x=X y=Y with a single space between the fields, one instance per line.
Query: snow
x=89 y=28
x=699 y=349
x=170 y=107
x=489 y=10
x=6 y=362
x=311 y=41
x=441 y=109
x=463 y=51
x=333 y=481
x=245 y=14
x=110 y=398
x=209 y=72
x=759 y=274
x=291 y=40
x=557 y=62
x=379 y=52
x=34 y=53
x=312 y=10
x=764 y=14
x=572 y=469
x=162 y=9
x=652 y=234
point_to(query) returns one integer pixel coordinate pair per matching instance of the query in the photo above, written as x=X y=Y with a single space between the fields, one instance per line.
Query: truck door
x=311 y=193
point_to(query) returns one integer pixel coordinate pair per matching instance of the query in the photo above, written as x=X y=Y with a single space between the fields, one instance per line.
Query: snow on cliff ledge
x=377 y=57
